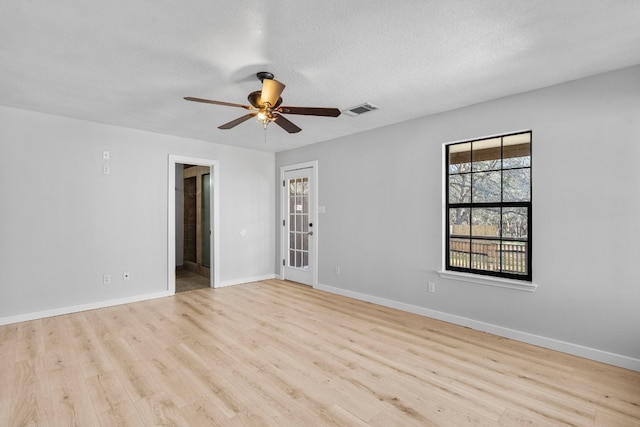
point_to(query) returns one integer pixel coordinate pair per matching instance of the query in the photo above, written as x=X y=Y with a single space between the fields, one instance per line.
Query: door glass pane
x=298 y=222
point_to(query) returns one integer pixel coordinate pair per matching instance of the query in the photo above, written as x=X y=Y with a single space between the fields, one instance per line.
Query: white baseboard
x=245 y=280
x=110 y=303
x=550 y=343
x=82 y=307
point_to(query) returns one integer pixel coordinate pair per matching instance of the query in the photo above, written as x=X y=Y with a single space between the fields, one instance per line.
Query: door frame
x=313 y=165
x=214 y=170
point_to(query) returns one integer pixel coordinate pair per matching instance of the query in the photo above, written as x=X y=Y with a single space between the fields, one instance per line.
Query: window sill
x=489 y=281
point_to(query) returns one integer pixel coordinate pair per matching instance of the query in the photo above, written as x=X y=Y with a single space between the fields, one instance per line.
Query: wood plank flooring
x=275 y=353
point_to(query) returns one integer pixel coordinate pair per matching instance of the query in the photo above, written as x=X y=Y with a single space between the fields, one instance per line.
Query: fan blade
x=236 y=122
x=271 y=90
x=210 y=101
x=286 y=124
x=310 y=111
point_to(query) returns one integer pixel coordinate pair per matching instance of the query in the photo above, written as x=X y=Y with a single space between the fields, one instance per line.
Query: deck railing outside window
x=489 y=256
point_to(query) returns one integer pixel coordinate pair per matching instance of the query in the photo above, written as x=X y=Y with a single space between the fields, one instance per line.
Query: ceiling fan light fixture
x=265 y=106
x=271 y=90
x=265 y=116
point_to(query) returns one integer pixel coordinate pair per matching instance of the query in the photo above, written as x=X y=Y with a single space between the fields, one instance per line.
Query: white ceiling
x=130 y=62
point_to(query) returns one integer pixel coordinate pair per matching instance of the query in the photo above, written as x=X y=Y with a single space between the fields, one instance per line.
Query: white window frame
x=479 y=279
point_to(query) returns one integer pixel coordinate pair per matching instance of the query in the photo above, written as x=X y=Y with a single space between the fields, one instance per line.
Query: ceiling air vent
x=360 y=109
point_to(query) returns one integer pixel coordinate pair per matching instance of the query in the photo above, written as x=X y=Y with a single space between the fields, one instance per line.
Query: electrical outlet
x=432 y=287
x=337 y=270
x=126 y=275
x=106 y=279
x=106 y=155
x=106 y=170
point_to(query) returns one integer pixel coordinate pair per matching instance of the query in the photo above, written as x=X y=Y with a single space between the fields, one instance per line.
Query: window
x=488 y=206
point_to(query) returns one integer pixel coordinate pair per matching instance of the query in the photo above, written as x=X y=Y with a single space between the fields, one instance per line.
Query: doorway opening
x=193 y=255
x=193 y=227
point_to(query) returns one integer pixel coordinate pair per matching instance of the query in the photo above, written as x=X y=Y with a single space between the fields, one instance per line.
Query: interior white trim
x=171 y=217
x=245 y=280
x=489 y=280
x=110 y=303
x=550 y=343
x=82 y=307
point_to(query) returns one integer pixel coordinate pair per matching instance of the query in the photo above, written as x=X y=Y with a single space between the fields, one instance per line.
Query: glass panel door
x=299 y=222
x=299 y=216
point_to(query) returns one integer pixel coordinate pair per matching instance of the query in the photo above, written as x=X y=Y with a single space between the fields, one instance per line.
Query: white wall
x=383 y=223
x=63 y=224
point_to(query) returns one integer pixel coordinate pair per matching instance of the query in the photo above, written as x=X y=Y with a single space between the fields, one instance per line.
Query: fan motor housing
x=256 y=101
x=261 y=75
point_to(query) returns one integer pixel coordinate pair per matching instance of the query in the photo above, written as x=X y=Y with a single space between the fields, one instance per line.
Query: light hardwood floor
x=277 y=353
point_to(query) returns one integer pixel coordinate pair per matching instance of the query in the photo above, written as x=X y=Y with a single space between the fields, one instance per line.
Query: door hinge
x=282 y=262
x=283 y=224
x=283 y=184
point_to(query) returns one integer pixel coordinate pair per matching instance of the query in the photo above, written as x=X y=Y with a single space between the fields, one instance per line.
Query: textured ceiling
x=130 y=62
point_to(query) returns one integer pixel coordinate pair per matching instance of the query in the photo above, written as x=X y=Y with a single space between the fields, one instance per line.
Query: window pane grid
x=299 y=223
x=488 y=199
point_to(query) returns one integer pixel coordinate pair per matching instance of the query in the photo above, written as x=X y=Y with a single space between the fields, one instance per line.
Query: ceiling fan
x=266 y=105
